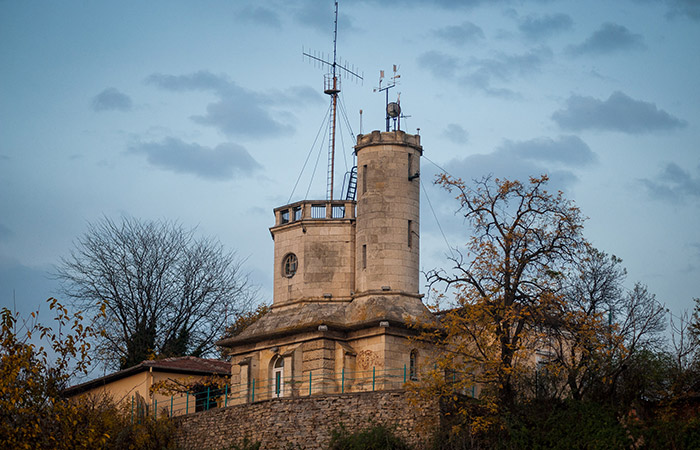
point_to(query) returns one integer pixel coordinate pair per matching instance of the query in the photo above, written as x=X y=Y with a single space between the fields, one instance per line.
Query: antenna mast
x=331 y=86
x=393 y=109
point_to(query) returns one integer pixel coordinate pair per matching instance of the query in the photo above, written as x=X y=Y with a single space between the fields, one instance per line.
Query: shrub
x=378 y=437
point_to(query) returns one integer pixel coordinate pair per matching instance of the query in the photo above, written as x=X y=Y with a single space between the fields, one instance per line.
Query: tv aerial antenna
x=393 y=109
x=331 y=86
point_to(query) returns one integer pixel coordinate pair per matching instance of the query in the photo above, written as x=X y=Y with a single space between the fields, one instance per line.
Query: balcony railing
x=315 y=210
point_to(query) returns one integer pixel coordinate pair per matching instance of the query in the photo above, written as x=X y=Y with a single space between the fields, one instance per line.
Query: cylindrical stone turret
x=388 y=212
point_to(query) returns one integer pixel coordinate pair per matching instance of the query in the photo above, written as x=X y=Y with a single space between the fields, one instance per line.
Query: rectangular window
x=410 y=166
x=364 y=256
x=410 y=240
x=364 y=178
x=285 y=216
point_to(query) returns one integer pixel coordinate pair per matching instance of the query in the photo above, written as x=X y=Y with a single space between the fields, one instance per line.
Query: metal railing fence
x=314 y=382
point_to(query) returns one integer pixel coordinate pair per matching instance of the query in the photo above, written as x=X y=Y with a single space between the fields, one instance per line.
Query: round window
x=289 y=265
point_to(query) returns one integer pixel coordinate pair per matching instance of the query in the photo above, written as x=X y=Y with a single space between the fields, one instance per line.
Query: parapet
x=397 y=137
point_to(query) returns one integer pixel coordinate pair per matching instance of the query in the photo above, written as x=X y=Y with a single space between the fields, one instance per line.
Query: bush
x=33 y=410
x=246 y=444
x=540 y=425
x=378 y=437
x=567 y=425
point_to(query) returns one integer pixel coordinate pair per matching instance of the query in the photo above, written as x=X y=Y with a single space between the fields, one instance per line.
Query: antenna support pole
x=332 y=88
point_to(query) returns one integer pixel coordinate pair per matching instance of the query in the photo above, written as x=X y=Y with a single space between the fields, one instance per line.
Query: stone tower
x=346 y=285
x=388 y=213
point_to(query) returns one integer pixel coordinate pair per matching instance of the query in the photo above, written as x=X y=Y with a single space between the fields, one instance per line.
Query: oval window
x=289 y=265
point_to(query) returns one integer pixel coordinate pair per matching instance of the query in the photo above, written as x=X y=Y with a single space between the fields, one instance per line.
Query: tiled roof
x=182 y=364
x=191 y=363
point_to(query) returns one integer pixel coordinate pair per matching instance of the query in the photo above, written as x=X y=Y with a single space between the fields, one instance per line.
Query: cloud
x=441 y=65
x=315 y=15
x=687 y=8
x=609 y=38
x=201 y=81
x=566 y=150
x=673 y=183
x=618 y=113
x=534 y=27
x=260 y=15
x=447 y=4
x=520 y=160
x=222 y=162
x=485 y=72
x=456 y=133
x=239 y=111
x=111 y=99
x=460 y=34
x=319 y=16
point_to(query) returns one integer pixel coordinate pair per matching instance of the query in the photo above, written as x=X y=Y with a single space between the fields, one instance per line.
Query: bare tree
x=164 y=291
x=580 y=332
x=685 y=351
x=602 y=327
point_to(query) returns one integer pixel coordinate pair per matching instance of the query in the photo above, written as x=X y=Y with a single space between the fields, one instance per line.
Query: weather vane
x=393 y=109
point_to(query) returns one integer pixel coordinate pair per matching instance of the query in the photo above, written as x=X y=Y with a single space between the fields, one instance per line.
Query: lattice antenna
x=393 y=109
x=331 y=86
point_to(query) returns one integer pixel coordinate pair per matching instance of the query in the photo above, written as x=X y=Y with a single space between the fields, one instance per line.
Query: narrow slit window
x=364 y=178
x=410 y=165
x=413 y=365
x=364 y=256
x=410 y=240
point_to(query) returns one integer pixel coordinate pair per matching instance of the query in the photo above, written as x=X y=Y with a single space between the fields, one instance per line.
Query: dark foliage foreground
x=571 y=424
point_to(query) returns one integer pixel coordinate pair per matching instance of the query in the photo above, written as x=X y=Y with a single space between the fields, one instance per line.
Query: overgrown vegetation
x=541 y=328
x=377 y=437
x=245 y=444
x=36 y=363
x=567 y=424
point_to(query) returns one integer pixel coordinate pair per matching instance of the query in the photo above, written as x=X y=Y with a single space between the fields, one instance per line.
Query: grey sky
x=206 y=112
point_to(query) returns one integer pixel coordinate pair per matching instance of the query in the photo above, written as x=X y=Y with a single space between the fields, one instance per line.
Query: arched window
x=278 y=377
x=289 y=265
x=413 y=365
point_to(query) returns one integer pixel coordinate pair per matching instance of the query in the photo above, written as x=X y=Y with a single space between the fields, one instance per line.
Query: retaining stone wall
x=306 y=423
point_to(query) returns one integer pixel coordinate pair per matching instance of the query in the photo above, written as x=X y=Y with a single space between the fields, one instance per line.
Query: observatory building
x=346 y=285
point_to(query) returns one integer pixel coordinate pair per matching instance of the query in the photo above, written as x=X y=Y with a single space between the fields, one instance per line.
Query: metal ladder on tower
x=352 y=184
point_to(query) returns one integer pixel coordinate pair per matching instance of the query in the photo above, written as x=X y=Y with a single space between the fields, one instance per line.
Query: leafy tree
x=509 y=285
x=165 y=292
x=32 y=376
x=36 y=363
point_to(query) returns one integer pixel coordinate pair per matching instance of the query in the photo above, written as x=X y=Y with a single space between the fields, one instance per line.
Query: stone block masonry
x=306 y=423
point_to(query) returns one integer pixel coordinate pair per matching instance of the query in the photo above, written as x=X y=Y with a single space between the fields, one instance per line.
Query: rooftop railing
x=315 y=210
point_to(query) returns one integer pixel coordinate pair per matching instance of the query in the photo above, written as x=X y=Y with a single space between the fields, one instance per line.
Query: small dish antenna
x=393 y=109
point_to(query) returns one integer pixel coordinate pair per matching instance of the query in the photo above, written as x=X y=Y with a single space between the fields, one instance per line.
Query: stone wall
x=306 y=423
